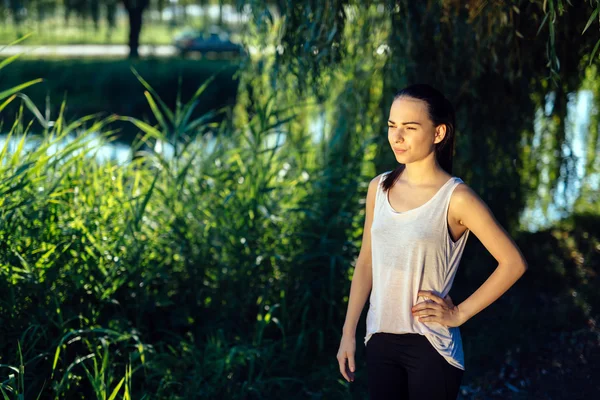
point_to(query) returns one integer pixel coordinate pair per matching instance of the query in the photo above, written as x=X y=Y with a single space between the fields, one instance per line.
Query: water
x=118 y=152
x=579 y=109
x=532 y=218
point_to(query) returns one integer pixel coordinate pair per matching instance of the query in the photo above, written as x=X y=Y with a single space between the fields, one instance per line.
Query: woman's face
x=410 y=131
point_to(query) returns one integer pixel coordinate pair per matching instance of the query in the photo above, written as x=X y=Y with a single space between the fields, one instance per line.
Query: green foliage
x=71 y=22
x=109 y=85
x=157 y=247
x=224 y=272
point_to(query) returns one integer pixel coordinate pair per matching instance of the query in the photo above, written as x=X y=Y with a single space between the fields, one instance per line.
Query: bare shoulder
x=375 y=181
x=464 y=193
x=464 y=202
x=373 y=184
x=468 y=209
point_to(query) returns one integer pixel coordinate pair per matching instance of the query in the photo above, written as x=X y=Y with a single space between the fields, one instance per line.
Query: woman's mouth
x=399 y=151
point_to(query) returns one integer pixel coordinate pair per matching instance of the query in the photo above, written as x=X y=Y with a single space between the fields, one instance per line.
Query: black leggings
x=406 y=366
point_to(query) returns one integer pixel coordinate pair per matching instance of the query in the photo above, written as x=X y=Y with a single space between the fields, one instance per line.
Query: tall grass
x=221 y=272
x=107 y=85
x=194 y=276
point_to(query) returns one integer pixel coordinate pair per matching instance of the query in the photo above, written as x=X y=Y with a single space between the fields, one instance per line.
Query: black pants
x=406 y=366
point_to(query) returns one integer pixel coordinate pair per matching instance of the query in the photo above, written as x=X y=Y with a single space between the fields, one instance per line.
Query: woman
x=418 y=219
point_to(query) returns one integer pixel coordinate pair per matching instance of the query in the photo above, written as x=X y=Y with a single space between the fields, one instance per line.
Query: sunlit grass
x=223 y=272
x=151 y=249
x=57 y=32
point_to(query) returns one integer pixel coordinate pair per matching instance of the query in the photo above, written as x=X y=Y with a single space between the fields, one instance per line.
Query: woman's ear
x=440 y=133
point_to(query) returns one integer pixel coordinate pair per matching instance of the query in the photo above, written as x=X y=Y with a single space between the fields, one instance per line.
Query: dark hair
x=440 y=111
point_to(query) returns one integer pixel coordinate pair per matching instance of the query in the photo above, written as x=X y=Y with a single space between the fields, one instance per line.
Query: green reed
x=164 y=277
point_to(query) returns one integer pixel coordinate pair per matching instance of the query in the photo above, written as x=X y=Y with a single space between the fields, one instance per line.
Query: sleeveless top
x=411 y=251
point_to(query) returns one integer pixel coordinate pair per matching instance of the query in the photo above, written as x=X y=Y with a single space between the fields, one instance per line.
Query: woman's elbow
x=522 y=266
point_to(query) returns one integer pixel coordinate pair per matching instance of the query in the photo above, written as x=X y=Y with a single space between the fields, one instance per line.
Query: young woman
x=418 y=219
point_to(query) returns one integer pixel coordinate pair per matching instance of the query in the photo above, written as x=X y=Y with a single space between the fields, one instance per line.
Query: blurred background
x=183 y=183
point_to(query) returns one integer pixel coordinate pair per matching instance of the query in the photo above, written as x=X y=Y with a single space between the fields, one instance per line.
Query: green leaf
x=4 y=394
x=7 y=102
x=166 y=109
x=150 y=130
x=9 y=60
x=156 y=112
x=594 y=51
x=114 y=393
x=11 y=91
x=17 y=41
x=594 y=14
x=34 y=110
x=542 y=24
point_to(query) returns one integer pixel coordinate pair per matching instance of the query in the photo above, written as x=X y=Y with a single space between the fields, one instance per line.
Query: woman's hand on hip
x=437 y=309
x=346 y=353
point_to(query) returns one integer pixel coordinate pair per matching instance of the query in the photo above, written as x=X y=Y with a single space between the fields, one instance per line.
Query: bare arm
x=469 y=210
x=362 y=280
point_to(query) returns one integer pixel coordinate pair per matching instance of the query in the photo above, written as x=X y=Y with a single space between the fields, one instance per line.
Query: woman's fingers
x=429 y=294
x=434 y=308
x=424 y=315
x=351 y=365
x=428 y=311
x=427 y=305
x=347 y=369
x=342 y=363
x=345 y=357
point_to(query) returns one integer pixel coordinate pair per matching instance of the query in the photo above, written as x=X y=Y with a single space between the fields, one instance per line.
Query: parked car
x=204 y=42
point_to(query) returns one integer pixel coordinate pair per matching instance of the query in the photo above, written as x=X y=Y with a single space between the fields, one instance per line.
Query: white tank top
x=411 y=251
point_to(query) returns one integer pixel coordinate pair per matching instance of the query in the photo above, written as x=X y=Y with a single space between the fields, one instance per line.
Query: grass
x=146 y=251
x=221 y=273
x=54 y=31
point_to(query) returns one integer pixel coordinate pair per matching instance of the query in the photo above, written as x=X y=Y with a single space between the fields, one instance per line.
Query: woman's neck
x=423 y=172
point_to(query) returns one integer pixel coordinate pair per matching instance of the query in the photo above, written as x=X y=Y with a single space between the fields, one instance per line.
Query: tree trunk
x=135 y=9
x=135 y=27
x=161 y=8
x=220 y=12
x=15 y=8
